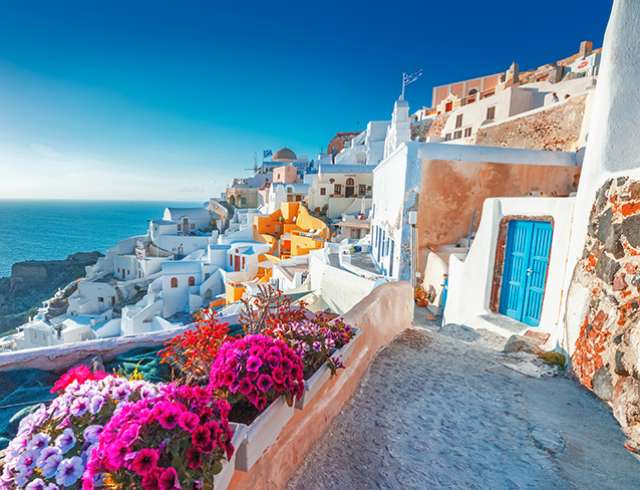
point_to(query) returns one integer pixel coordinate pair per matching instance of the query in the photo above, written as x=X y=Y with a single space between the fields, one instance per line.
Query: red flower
x=80 y=374
x=201 y=438
x=264 y=383
x=169 y=479
x=145 y=461
x=194 y=458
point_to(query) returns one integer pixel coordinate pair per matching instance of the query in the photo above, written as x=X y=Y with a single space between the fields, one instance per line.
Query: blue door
x=525 y=270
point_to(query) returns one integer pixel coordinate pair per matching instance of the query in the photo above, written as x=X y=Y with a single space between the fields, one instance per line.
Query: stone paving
x=438 y=409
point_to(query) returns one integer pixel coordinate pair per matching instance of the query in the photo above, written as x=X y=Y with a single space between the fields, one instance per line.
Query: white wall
x=612 y=148
x=471 y=279
x=86 y=299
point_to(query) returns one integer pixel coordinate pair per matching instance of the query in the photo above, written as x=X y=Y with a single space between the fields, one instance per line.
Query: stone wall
x=607 y=352
x=556 y=128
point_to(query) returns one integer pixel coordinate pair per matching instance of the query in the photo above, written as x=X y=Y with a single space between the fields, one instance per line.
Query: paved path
x=439 y=410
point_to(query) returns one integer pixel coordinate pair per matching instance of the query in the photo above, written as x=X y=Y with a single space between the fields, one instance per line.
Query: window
x=192 y=281
x=458 y=121
x=230 y=260
x=457 y=135
x=447 y=137
x=337 y=189
x=467 y=132
x=100 y=299
x=491 y=113
x=179 y=227
x=362 y=189
x=349 y=188
x=448 y=107
x=244 y=262
x=323 y=191
x=174 y=282
x=193 y=226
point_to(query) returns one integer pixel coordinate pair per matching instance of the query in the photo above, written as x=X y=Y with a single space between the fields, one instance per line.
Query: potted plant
x=323 y=342
x=191 y=353
x=180 y=438
x=261 y=376
x=53 y=444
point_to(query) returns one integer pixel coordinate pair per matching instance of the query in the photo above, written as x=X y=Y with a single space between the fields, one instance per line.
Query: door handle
x=529 y=271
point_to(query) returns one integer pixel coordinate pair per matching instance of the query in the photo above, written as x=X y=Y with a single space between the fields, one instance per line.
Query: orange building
x=291 y=231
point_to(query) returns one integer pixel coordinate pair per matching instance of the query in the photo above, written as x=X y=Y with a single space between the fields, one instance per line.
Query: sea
x=48 y=230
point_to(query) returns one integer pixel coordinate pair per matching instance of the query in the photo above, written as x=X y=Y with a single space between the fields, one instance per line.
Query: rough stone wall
x=557 y=129
x=429 y=128
x=607 y=352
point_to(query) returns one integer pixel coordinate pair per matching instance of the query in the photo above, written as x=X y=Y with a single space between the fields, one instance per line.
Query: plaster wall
x=452 y=193
x=471 y=280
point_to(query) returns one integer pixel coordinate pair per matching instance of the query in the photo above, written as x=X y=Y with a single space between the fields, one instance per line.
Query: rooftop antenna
x=408 y=79
x=255 y=163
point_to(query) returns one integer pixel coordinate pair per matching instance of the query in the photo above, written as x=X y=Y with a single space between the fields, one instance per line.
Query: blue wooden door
x=525 y=270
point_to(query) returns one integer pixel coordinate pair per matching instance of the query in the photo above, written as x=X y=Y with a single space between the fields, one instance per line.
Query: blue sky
x=170 y=100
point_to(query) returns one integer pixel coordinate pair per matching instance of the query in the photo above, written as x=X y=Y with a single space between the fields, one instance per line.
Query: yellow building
x=291 y=231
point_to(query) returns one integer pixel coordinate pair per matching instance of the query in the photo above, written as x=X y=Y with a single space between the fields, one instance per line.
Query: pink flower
x=188 y=421
x=253 y=364
x=194 y=458
x=201 y=438
x=264 y=383
x=145 y=461
x=115 y=454
x=169 y=480
x=167 y=415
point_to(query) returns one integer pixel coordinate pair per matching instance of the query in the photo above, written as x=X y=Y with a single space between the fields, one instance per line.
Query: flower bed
x=179 y=438
x=227 y=393
x=53 y=443
x=261 y=376
x=314 y=384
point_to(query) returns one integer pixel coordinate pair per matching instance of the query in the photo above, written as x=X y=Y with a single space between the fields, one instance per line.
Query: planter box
x=221 y=480
x=262 y=433
x=315 y=383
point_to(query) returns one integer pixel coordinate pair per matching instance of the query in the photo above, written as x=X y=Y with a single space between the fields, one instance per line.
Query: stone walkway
x=439 y=410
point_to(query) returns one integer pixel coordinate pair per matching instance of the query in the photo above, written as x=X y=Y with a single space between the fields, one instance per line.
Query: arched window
x=174 y=282
x=350 y=188
x=192 y=281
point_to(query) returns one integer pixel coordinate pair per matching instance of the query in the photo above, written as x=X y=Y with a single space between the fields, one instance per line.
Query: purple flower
x=39 y=442
x=121 y=392
x=79 y=407
x=95 y=404
x=37 y=484
x=66 y=440
x=49 y=466
x=69 y=471
x=317 y=346
x=91 y=433
x=26 y=461
x=46 y=453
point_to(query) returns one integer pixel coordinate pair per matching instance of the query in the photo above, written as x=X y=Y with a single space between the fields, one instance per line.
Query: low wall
x=382 y=316
x=330 y=282
x=61 y=357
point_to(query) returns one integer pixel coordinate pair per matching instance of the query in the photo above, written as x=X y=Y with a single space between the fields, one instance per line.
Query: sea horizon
x=53 y=229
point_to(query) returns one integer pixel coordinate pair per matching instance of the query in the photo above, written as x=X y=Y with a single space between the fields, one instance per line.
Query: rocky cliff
x=34 y=281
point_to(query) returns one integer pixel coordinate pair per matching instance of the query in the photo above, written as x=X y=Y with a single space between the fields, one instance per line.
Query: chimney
x=586 y=47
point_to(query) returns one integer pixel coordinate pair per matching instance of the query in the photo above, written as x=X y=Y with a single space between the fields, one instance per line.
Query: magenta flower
x=253 y=363
x=169 y=480
x=188 y=421
x=264 y=383
x=145 y=461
